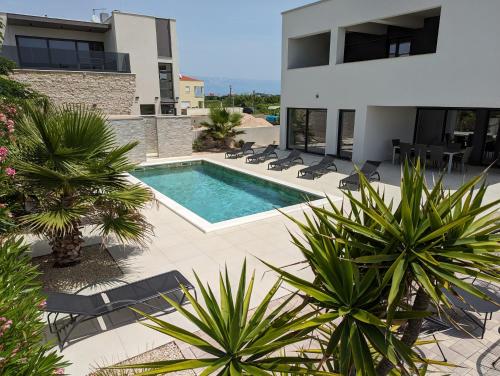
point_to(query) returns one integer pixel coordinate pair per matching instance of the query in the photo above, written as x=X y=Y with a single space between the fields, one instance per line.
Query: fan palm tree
x=73 y=173
x=221 y=127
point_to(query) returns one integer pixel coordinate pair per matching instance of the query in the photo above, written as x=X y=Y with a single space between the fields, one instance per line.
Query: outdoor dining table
x=451 y=154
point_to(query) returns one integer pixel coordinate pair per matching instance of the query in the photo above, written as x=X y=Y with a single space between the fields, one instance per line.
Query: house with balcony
x=192 y=93
x=358 y=74
x=123 y=63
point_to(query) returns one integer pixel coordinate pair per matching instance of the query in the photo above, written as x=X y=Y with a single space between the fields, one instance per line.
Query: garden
x=381 y=269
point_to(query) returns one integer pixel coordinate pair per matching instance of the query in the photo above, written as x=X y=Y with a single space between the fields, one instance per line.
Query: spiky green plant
x=239 y=342
x=221 y=127
x=72 y=172
x=366 y=262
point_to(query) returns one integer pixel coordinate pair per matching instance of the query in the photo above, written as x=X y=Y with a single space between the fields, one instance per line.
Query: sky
x=218 y=38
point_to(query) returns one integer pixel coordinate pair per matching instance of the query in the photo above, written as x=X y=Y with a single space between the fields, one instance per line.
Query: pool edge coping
x=204 y=225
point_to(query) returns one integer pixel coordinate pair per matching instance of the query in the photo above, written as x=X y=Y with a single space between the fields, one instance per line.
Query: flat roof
x=56 y=23
x=304 y=6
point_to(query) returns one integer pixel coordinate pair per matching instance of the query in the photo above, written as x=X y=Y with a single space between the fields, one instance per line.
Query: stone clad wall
x=130 y=129
x=113 y=93
x=174 y=136
x=164 y=136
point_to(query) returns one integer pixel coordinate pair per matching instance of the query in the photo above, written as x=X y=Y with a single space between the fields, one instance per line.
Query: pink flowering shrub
x=22 y=351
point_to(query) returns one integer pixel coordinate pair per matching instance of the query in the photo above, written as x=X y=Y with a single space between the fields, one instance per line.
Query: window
x=307 y=130
x=147 y=109
x=399 y=48
x=60 y=53
x=167 y=109
x=166 y=82
x=198 y=91
x=187 y=89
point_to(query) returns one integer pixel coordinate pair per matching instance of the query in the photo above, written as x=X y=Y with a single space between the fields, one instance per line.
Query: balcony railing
x=59 y=59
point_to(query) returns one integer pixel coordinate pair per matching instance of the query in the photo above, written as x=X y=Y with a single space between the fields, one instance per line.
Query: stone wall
x=151 y=135
x=174 y=136
x=162 y=136
x=130 y=129
x=113 y=93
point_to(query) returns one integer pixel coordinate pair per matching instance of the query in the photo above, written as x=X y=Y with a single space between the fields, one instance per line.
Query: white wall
x=464 y=72
x=384 y=124
x=137 y=36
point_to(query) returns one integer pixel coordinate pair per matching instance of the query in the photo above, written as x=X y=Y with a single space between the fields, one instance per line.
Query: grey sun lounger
x=467 y=302
x=269 y=152
x=237 y=153
x=369 y=170
x=287 y=162
x=81 y=308
x=327 y=164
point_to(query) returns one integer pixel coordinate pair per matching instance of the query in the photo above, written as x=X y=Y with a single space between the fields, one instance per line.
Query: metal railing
x=60 y=59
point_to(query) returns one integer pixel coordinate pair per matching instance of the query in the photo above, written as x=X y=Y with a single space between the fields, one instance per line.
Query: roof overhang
x=56 y=23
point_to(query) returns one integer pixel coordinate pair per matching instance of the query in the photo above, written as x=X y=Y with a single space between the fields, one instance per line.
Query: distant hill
x=220 y=85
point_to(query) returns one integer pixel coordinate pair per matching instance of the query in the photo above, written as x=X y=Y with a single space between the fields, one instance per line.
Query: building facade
x=357 y=74
x=192 y=92
x=124 y=64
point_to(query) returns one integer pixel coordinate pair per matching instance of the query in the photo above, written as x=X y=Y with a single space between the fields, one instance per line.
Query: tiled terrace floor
x=179 y=245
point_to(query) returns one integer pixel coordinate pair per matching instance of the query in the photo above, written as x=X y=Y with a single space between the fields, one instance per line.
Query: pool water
x=216 y=193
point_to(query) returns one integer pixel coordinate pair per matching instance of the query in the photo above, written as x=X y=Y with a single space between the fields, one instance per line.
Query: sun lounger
x=283 y=163
x=467 y=302
x=269 y=152
x=369 y=170
x=327 y=164
x=240 y=152
x=81 y=308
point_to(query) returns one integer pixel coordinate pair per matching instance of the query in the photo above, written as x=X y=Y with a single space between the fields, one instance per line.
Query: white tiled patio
x=177 y=244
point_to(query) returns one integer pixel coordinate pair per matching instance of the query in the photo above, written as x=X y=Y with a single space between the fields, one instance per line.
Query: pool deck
x=178 y=244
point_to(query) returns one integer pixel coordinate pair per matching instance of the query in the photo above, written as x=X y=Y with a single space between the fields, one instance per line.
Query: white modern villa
x=357 y=74
x=121 y=63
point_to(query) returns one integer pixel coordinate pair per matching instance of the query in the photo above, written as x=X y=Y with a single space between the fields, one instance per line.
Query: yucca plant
x=72 y=172
x=430 y=240
x=239 y=342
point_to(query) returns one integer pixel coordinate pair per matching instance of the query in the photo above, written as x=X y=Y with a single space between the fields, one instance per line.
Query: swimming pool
x=217 y=193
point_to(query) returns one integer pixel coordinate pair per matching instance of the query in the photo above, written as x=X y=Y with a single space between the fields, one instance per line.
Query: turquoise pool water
x=216 y=193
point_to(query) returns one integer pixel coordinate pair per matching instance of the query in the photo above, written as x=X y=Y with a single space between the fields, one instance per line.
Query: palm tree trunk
x=67 y=246
x=412 y=330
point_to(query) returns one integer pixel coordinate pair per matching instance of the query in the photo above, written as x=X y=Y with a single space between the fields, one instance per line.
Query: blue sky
x=218 y=38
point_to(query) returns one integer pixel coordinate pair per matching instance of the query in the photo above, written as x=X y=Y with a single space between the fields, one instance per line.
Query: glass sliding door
x=346 y=134
x=307 y=130
x=430 y=126
x=492 y=142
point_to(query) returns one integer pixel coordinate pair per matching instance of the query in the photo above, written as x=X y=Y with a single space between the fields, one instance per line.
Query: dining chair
x=463 y=159
x=405 y=150
x=396 y=142
x=436 y=158
x=421 y=153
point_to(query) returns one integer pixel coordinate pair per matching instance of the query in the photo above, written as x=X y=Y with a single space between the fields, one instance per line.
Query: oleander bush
x=22 y=351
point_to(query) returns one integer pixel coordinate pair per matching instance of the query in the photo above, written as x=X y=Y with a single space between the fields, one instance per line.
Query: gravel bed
x=169 y=351
x=97 y=266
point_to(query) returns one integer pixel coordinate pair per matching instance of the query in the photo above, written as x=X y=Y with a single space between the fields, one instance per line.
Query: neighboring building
x=125 y=64
x=192 y=92
x=357 y=74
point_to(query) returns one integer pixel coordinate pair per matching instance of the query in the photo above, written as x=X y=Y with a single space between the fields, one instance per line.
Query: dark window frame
x=339 y=132
x=48 y=39
x=306 y=138
x=141 y=106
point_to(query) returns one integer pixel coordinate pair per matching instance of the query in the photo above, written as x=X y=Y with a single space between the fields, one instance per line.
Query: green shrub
x=21 y=327
x=6 y=66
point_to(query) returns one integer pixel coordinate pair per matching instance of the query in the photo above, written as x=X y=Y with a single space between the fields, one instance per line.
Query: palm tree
x=398 y=255
x=73 y=173
x=221 y=127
